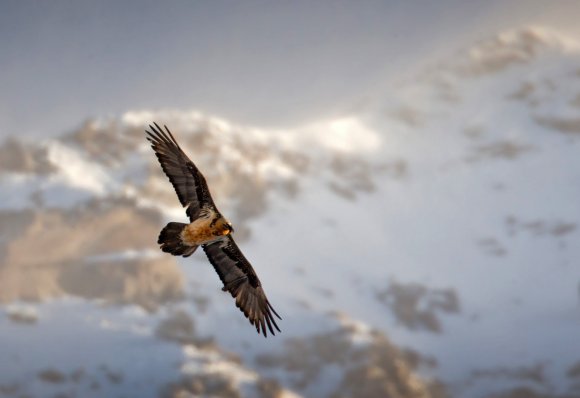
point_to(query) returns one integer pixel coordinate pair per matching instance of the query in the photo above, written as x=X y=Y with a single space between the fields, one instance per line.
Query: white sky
x=261 y=63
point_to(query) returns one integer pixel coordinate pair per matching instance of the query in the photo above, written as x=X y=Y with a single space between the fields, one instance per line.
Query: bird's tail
x=170 y=240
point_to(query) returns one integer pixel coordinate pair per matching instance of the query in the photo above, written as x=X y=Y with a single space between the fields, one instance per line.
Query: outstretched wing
x=187 y=180
x=241 y=281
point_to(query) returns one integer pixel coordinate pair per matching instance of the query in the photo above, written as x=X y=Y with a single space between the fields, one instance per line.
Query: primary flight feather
x=210 y=230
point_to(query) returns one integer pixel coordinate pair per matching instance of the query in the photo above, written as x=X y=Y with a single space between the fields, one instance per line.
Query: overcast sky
x=262 y=63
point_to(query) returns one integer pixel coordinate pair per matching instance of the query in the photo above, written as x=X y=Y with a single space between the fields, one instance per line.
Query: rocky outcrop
x=55 y=252
x=369 y=365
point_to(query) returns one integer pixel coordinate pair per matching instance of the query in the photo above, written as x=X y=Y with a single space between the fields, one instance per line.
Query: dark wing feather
x=185 y=177
x=241 y=281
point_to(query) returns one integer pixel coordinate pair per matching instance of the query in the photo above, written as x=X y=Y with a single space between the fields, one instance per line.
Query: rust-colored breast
x=198 y=232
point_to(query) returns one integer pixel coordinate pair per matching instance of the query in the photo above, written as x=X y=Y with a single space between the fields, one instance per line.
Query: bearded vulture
x=210 y=230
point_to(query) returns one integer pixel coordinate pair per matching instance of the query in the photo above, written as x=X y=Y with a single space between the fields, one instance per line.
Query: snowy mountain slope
x=443 y=220
x=495 y=187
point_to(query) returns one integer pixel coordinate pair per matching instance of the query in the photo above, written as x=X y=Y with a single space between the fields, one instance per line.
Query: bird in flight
x=210 y=230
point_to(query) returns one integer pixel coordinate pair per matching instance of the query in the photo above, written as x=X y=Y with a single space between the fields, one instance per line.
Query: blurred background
x=404 y=177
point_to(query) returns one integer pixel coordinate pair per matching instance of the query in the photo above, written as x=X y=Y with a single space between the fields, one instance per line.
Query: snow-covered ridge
x=111 y=157
x=76 y=170
x=517 y=46
x=347 y=134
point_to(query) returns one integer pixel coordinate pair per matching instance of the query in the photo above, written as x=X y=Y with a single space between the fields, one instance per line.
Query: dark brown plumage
x=209 y=229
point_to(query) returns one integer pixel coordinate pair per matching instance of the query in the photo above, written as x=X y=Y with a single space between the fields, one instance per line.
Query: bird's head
x=229 y=226
x=223 y=227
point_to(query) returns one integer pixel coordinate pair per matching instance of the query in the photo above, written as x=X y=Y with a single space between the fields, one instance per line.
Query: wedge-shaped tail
x=170 y=240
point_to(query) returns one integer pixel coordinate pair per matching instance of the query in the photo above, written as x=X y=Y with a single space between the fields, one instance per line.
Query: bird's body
x=205 y=229
x=210 y=230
